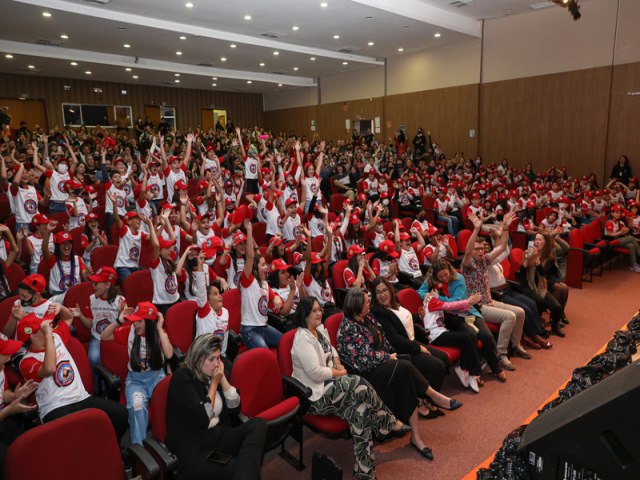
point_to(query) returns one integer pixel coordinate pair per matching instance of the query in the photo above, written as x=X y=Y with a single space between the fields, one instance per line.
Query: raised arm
x=504 y=238
x=477 y=225
x=251 y=253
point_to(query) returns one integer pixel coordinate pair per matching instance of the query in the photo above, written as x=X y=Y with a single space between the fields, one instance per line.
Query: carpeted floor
x=464 y=438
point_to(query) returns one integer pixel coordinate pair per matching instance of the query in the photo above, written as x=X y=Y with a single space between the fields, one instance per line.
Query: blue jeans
x=453 y=224
x=94 y=358
x=124 y=272
x=260 y=337
x=138 y=390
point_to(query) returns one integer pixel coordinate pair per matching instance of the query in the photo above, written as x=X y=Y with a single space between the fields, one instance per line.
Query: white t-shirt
x=129 y=248
x=408 y=263
x=255 y=301
x=104 y=313
x=165 y=287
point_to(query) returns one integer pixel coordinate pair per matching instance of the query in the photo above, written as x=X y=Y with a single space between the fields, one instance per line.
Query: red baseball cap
x=62 y=237
x=354 y=249
x=39 y=219
x=30 y=324
x=143 y=311
x=180 y=185
x=104 y=275
x=354 y=219
x=7 y=346
x=316 y=258
x=72 y=184
x=211 y=245
x=405 y=236
x=239 y=237
x=278 y=264
x=164 y=243
x=203 y=185
x=131 y=215
x=389 y=248
x=290 y=201
x=35 y=282
x=616 y=208
x=90 y=217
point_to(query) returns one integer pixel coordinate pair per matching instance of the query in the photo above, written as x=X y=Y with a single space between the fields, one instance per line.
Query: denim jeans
x=124 y=272
x=94 y=358
x=453 y=224
x=138 y=390
x=260 y=337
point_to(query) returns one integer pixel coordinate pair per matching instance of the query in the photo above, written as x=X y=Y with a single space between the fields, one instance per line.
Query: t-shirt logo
x=253 y=168
x=155 y=188
x=101 y=325
x=66 y=281
x=413 y=264
x=325 y=293
x=31 y=206
x=120 y=201
x=127 y=189
x=170 y=285
x=236 y=278
x=297 y=230
x=61 y=186
x=64 y=375
x=313 y=187
x=134 y=253
x=263 y=305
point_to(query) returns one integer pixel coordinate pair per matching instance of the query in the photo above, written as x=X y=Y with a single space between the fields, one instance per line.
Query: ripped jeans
x=138 y=389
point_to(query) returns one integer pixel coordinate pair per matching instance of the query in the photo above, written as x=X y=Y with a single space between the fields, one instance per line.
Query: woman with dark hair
x=148 y=346
x=202 y=407
x=162 y=267
x=316 y=365
x=284 y=283
x=554 y=245
x=233 y=259
x=5 y=265
x=362 y=345
x=65 y=268
x=398 y=325
x=621 y=171
x=316 y=281
x=93 y=237
x=257 y=297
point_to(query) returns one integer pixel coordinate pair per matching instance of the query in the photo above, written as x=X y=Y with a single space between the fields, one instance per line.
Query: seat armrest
x=276 y=322
x=295 y=388
x=421 y=334
x=110 y=381
x=233 y=345
x=143 y=462
x=167 y=460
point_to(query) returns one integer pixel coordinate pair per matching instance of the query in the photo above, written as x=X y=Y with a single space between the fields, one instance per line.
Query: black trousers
x=546 y=302
x=10 y=429
x=116 y=412
x=532 y=324
x=468 y=345
x=433 y=367
x=244 y=442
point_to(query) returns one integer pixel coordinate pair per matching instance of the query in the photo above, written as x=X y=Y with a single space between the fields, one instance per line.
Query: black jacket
x=395 y=332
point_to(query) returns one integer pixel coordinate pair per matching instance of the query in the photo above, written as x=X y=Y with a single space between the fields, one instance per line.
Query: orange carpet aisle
x=463 y=439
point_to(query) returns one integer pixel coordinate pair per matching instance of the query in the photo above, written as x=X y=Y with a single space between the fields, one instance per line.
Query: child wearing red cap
x=49 y=364
x=33 y=245
x=257 y=297
x=116 y=199
x=24 y=197
x=175 y=168
x=311 y=180
x=130 y=246
x=5 y=265
x=57 y=178
x=408 y=265
x=65 y=268
x=358 y=269
x=148 y=346
x=316 y=281
x=92 y=238
x=616 y=228
x=76 y=207
x=163 y=269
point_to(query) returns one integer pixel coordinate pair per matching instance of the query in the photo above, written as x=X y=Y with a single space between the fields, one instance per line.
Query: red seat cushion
x=594 y=251
x=601 y=244
x=494 y=327
x=621 y=250
x=452 y=352
x=326 y=423
x=280 y=409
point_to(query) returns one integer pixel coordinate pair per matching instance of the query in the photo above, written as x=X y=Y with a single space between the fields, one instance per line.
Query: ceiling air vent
x=205 y=64
x=345 y=50
x=30 y=70
x=273 y=34
x=460 y=3
x=278 y=73
x=48 y=43
x=99 y=2
x=168 y=84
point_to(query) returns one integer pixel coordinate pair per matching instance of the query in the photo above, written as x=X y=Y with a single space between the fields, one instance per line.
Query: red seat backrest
x=515 y=257
x=332 y=324
x=388 y=227
x=427 y=202
x=506 y=267
x=104 y=256
x=317 y=243
x=410 y=299
x=5 y=312
x=259 y=230
x=114 y=238
x=158 y=409
x=79 y=295
x=76 y=235
x=406 y=222
x=15 y=274
x=231 y=300
x=587 y=234
x=179 y=322
x=256 y=374
x=57 y=438
x=337 y=273
x=138 y=287
x=284 y=353
x=145 y=254
x=335 y=204
x=81 y=358
x=62 y=218
x=575 y=239
x=452 y=244
x=463 y=239
x=115 y=357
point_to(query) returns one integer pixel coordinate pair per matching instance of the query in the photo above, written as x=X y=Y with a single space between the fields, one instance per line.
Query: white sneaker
x=635 y=268
x=463 y=375
x=473 y=384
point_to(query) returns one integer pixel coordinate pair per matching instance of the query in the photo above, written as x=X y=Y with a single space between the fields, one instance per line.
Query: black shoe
x=544 y=333
x=565 y=320
x=425 y=452
x=557 y=330
x=454 y=404
x=431 y=415
x=402 y=431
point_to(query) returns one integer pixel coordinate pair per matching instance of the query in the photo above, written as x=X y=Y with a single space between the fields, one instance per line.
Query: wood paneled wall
x=244 y=108
x=548 y=120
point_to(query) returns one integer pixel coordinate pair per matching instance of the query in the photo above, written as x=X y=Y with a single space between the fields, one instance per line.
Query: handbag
x=323 y=467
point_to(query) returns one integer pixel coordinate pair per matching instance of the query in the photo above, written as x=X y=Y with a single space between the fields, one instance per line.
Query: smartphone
x=222 y=458
x=530 y=244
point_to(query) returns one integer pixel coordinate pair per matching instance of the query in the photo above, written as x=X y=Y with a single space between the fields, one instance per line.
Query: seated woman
x=553 y=248
x=201 y=407
x=283 y=282
x=362 y=344
x=397 y=323
x=148 y=345
x=334 y=392
x=65 y=268
x=533 y=283
x=452 y=287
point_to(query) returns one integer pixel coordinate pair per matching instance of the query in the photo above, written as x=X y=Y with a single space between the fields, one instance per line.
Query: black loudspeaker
x=593 y=436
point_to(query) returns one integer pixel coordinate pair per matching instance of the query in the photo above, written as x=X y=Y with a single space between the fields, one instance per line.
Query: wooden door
x=34 y=112
x=206 y=119
x=153 y=112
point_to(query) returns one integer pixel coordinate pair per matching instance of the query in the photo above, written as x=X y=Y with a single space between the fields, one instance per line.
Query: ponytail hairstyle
x=155 y=358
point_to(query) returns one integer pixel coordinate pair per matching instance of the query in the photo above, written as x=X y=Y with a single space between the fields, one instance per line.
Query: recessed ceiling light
x=324 y=4
x=177 y=81
x=345 y=63
x=233 y=45
x=276 y=53
x=64 y=37
x=295 y=69
x=371 y=44
x=188 y=5
x=88 y=72
x=128 y=69
x=401 y=49
x=135 y=77
x=178 y=53
x=8 y=55
x=437 y=35
x=176 y=74
x=262 y=64
x=249 y=81
x=247 y=17
x=214 y=78
x=126 y=45
x=335 y=37
x=182 y=37
x=223 y=59
x=46 y=14
x=295 y=28
x=279 y=84
x=214 y=84
x=31 y=67
x=313 y=59
x=74 y=64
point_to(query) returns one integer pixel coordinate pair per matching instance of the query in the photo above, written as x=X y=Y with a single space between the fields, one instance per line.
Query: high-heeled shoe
x=453 y=404
x=402 y=431
x=542 y=343
x=556 y=329
x=425 y=452
x=529 y=343
x=431 y=415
